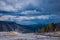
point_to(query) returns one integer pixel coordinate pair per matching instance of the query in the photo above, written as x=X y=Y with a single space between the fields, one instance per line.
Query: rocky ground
x=51 y=34
x=29 y=36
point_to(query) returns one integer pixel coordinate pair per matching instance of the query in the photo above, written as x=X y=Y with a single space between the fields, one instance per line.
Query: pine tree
x=53 y=27
x=50 y=28
x=46 y=29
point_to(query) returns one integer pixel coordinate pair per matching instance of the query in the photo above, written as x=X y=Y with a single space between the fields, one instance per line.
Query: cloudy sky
x=29 y=12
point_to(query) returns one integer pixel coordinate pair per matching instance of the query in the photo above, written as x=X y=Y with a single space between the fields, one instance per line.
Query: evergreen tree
x=49 y=28
x=46 y=29
x=53 y=27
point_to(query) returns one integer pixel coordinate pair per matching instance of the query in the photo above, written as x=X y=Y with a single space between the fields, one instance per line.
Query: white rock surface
x=28 y=36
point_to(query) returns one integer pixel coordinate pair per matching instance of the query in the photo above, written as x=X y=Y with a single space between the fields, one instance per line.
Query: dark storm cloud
x=22 y=10
x=46 y=6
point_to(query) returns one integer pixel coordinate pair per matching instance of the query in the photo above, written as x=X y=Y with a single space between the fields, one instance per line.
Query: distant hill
x=34 y=27
x=6 y=26
x=12 y=26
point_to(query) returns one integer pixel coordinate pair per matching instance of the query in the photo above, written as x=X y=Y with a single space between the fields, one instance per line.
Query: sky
x=28 y=12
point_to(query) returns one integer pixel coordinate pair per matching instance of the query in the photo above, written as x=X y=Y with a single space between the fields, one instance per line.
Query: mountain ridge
x=6 y=26
x=12 y=26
